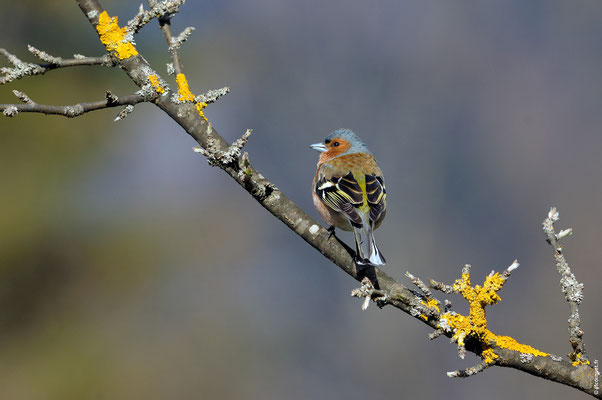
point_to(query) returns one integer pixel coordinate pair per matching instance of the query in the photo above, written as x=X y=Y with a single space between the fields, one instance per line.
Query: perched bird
x=349 y=191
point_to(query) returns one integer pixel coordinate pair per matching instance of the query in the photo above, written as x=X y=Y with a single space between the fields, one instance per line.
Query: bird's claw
x=330 y=230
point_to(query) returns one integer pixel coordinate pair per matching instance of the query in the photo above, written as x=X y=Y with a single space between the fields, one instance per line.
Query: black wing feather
x=344 y=194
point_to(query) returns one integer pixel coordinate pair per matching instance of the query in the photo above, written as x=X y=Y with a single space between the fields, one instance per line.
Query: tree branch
x=470 y=332
x=21 y=68
x=10 y=110
x=165 y=11
x=572 y=289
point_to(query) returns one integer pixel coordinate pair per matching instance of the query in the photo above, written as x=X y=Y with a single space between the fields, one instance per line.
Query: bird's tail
x=367 y=251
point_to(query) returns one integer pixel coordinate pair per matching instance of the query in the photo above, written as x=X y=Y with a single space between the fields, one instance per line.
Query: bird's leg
x=330 y=230
x=354 y=254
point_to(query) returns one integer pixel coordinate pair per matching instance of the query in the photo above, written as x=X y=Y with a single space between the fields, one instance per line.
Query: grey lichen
x=212 y=95
x=465 y=373
x=442 y=287
x=177 y=41
x=19 y=70
x=23 y=97
x=161 y=9
x=421 y=285
x=74 y=111
x=572 y=289
x=170 y=69
x=245 y=167
x=216 y=157
x=42 y=55
x=10 y=111
x=526 y=358
x=444 y=324
x=127 y=110
x=369 y=292
x=148 y=92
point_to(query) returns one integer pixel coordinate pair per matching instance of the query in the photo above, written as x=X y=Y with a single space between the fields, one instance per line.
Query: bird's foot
x=330 y=230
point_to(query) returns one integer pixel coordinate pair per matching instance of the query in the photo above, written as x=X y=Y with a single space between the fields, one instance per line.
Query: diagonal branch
x=469 y=332
x=381 y=288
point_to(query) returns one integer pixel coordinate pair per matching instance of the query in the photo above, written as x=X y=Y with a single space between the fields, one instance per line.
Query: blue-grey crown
x=357 y=144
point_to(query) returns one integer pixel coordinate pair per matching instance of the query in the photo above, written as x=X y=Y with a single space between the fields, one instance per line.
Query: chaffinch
x=349 y=191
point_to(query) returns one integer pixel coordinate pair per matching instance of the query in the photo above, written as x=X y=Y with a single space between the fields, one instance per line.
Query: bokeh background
x=129 y=268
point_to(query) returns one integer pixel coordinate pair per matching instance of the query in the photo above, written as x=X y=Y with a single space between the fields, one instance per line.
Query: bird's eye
x=335 y=144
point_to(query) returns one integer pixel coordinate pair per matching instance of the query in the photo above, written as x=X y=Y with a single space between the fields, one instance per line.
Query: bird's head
x=338 y=143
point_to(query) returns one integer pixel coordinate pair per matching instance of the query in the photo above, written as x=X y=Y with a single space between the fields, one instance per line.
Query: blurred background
x=129 y=268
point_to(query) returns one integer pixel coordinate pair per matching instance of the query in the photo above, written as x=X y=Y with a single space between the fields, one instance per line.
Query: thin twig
x=418 y=282
x=177 y=41
x=572 y=289
x=21 y=68
x=465 y=373
x=212 y=95
x=157 y=10
x=440 y=286
x=10 y=110
x=165 y=10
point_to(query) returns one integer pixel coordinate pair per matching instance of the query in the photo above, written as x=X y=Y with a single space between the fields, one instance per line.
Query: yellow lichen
x=156 y=83
x=113 y=37
x=506 y=342
x=186 y=94
x=199 y=107
x=475 y=324
x=183 y=88
x=424 y=317
x=579 y=360
x=433 y=303
x=489 y=356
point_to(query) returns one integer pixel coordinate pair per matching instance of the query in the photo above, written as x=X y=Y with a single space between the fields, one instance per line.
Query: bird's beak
x=321 y=147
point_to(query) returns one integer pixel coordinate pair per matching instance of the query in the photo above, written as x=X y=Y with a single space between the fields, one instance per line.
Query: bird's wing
x=342 y=194
x=376 y=195
x=352 y=194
